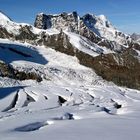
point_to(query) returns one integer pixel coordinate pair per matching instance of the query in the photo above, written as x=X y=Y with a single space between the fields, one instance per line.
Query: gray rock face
x=4 y=33
x=70 y=21
x=86 y=32
x=61 y=21
x=43 y=21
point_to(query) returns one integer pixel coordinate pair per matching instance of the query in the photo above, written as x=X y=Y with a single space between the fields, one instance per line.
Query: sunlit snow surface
x=71 y=103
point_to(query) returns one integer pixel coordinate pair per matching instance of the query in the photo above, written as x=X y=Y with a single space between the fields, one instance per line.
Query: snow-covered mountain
x=53 y=79
x=92 y=39
x=103 y=28
x=72 y=22
x=82 y=37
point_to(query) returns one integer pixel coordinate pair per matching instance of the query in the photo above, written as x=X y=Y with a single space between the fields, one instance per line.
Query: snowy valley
x=55 y=82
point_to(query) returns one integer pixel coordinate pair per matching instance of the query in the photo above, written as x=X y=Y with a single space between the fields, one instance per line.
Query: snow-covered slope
x=85 y=45
x=9 y=25
x=4 y=17
x=71 y=102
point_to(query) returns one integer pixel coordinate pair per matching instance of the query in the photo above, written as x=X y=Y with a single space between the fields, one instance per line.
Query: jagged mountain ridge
x=84 y=38
x=100 y=26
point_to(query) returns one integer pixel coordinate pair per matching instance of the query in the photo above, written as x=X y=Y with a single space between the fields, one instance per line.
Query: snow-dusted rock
x=67 y=21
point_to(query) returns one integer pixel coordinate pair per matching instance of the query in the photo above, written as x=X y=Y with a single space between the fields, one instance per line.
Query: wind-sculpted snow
x=71 y=102
x=87 y=107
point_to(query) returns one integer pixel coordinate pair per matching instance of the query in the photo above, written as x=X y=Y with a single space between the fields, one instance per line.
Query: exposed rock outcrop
x=61 y=21
x=8 y=71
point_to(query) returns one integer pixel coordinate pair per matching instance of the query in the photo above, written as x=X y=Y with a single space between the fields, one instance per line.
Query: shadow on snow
x=6 y=91
x=13 y=52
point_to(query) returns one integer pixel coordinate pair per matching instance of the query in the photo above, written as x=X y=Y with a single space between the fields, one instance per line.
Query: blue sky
x=124 y=14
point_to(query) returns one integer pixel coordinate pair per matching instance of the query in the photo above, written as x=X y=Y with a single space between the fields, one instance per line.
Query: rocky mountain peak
x=42 y=21
x=58 y=21
x=89 y=25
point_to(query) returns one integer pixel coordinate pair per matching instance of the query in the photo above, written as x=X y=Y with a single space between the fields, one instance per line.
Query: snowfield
x=84 y=45
x=71 y=103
